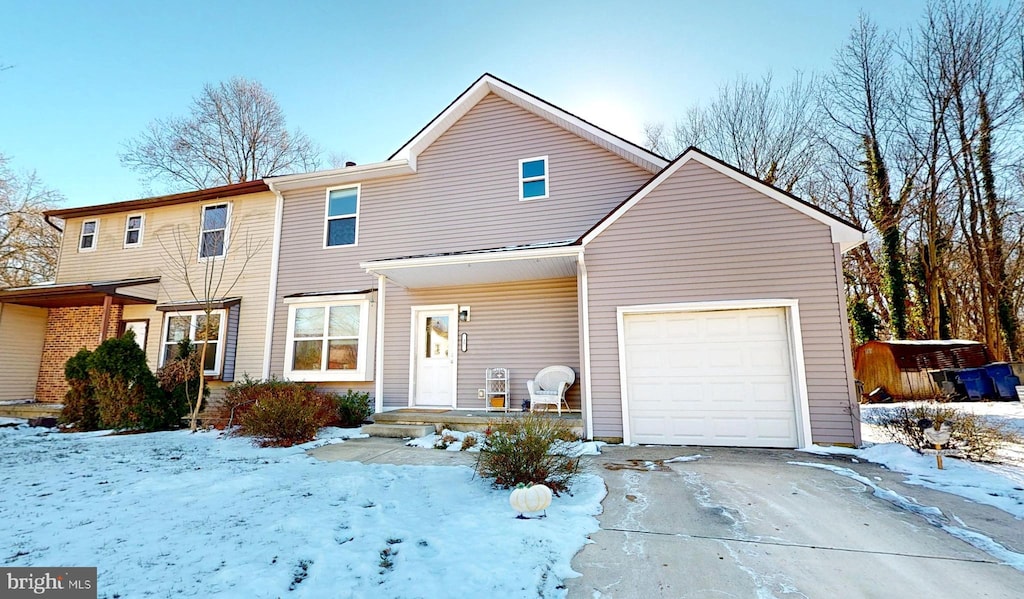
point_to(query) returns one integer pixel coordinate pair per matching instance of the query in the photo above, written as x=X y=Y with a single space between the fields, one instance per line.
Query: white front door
x=435 y=329
x=139 y=327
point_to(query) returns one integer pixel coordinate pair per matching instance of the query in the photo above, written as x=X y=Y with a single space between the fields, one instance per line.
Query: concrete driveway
x=747 y=523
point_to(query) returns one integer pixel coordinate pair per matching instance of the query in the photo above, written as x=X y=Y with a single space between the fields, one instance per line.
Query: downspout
x=46 y=217
x=378 y=365
x=60 y=247
x=275 y=259
x=588 y=406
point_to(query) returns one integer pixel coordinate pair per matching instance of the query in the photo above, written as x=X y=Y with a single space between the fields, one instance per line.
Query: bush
x=179 y=378
x=80 y=410
x=280 y=413
x=974 y=437
x=353 y=408
x=126 y=391
x=518 y=450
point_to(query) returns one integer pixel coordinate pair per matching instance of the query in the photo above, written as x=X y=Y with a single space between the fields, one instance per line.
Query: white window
x=213 y=235
x=133 y=230
x=533 y=178
x=327 y=340
x=87 y=239
x=192 y=325
x=342 y=216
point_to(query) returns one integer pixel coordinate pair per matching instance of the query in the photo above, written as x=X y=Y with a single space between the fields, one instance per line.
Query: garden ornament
x=937 y=434
x=530 y=498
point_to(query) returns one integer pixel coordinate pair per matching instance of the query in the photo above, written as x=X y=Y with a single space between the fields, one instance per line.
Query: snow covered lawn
x=1000 y=485
x=176 y=514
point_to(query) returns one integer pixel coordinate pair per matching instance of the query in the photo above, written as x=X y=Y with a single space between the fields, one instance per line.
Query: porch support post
x=108 y=301
x=584 y=300
x=378 y=363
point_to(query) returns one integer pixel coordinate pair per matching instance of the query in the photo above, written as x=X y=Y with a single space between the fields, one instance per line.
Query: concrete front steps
x=411 y=422
x=398 y=431
x=30 y=410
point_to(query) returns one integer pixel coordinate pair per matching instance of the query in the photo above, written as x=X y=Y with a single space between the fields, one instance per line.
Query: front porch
x=463 y=420
x=44 y=325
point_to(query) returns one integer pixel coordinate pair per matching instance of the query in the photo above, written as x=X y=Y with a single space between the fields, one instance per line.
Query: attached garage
x=712 y=375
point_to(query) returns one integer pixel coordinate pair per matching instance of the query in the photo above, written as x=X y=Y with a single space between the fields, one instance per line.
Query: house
x=696 y=304
x=121 y=267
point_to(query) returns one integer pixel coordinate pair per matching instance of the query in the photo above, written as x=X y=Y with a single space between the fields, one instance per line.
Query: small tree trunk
x=193 y=421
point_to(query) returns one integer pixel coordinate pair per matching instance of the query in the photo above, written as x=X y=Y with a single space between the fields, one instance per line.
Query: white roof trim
x=341 y=176
x=489 y=84
x=846 y=236
x=479 y=268
x=376 y=266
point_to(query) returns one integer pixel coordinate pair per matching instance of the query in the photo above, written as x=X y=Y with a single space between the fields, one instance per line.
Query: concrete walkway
x=747 y=523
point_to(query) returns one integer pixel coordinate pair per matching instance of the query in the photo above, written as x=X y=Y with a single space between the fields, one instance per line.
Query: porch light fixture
x=464 y=315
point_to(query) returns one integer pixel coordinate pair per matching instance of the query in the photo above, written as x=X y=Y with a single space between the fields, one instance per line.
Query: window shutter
x=231 y=344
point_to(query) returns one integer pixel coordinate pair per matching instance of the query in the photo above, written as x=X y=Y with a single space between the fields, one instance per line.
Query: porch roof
x=62 y=295
x=552 y=260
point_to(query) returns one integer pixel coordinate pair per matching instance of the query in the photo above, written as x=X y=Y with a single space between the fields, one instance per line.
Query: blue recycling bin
x=1003 y=379
x=977 y=383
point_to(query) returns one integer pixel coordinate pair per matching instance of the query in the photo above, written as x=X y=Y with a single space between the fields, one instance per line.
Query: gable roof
x=213 y=193
x=489 y=84
x=846 y=234
x=403 y=161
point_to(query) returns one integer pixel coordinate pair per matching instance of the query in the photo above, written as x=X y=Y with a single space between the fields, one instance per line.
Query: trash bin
x=948 y=383
x=1003 y=379
x=976 y=383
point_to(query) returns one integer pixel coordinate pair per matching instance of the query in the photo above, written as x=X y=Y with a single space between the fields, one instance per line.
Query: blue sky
x=361 y=78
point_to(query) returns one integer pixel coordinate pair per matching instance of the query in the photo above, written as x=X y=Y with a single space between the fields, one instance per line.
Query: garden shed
x=901 y=367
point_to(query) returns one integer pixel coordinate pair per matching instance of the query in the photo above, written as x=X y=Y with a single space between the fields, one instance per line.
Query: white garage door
x=710 y=378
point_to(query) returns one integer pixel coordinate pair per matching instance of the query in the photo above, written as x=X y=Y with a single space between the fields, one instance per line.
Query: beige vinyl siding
x=701 y=236
x=22 y=329
x=252 y=222
x=464 y=196
x=523 y=326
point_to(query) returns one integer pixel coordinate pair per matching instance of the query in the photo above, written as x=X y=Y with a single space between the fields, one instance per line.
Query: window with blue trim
x=342 y=216
x=533 y=178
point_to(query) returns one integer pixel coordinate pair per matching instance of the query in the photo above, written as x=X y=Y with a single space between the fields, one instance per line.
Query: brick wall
x=67 y=331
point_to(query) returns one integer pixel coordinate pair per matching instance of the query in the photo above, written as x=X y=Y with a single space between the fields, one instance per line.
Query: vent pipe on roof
x=349 y=163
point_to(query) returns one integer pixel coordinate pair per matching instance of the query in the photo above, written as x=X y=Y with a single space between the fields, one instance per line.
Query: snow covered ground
x=1000 y=485
x=194 y=515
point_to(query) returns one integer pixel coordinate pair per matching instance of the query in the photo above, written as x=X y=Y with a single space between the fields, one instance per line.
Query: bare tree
x=235 y=132
x=208 y=281
x=756 y=126
x=28 y=245
x=975 y=43
x=861 y=99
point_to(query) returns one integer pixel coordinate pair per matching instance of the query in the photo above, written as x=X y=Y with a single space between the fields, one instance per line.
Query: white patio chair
x=549 y=387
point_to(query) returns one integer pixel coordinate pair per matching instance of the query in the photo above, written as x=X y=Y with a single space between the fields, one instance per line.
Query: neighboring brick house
x=117 y=271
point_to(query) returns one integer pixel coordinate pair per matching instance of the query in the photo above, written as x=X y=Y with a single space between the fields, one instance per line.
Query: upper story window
x=342 y=216
x=133 y=231
x=533 y=178
x=213 y=236
x=90 y=231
